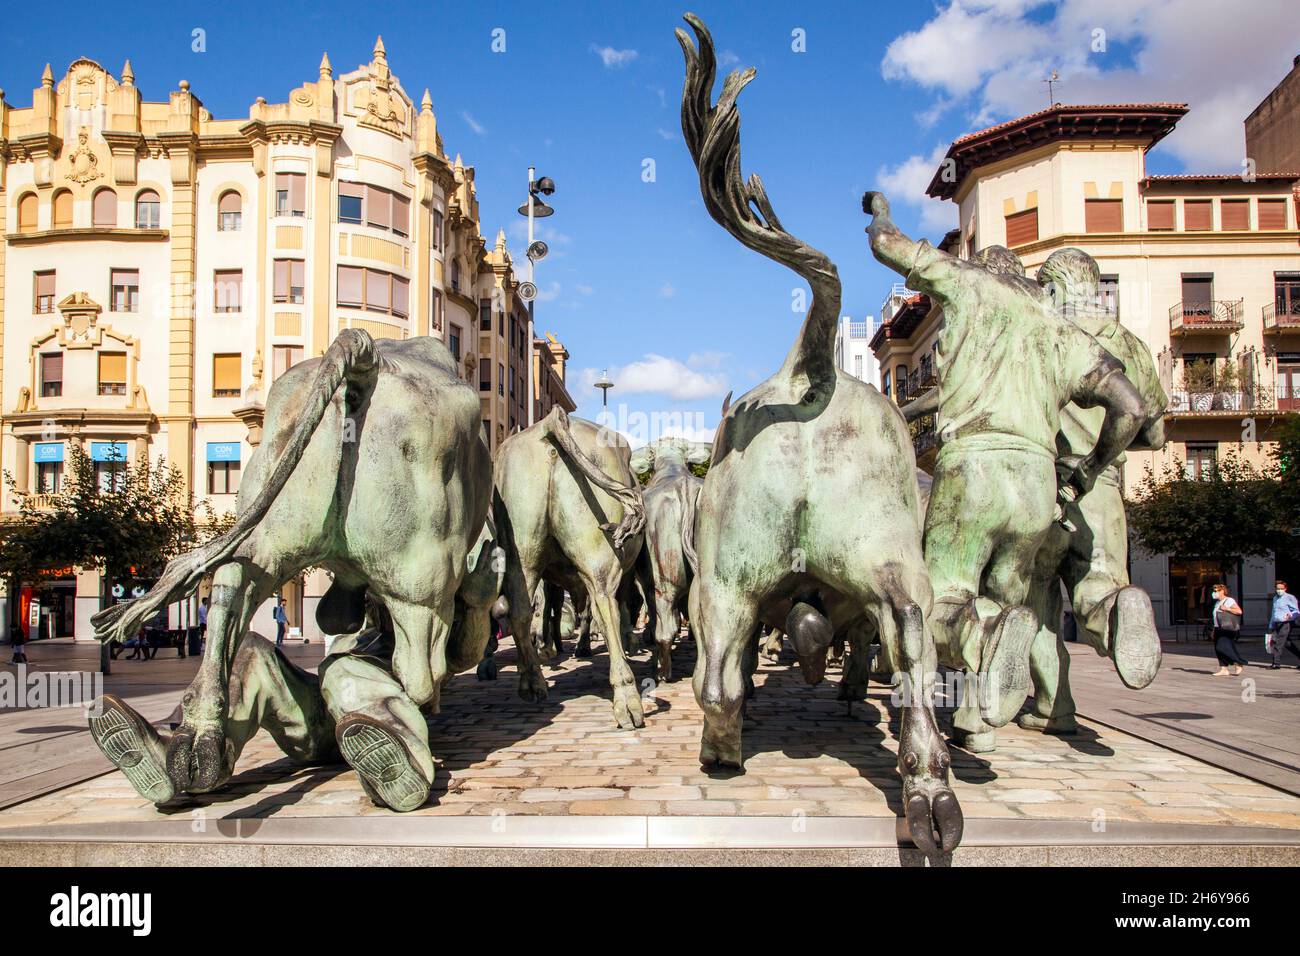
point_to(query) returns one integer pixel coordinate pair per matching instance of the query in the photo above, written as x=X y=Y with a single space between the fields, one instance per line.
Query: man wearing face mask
x=1286 y=610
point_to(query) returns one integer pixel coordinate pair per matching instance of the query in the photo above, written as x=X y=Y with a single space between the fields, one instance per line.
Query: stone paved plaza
x=807 y=756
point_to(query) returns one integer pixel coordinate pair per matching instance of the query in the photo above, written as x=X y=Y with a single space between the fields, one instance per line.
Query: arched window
x=148 y=210
x=27 y=213
x=105 y=208
x=63 y=209
x=230 y=208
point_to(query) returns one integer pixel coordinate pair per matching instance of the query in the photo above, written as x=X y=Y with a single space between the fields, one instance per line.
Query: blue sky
x=639 y=279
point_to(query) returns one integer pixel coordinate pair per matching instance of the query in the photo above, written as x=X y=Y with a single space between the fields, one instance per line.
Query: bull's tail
x=555 y=427
x=351 y=357
x=690 y=492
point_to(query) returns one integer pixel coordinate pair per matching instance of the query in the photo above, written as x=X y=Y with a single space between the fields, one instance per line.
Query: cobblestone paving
x=805 y=754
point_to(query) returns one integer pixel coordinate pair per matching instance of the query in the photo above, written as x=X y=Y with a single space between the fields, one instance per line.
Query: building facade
x=1203 y=268
x=161 y=268
x=853 y=348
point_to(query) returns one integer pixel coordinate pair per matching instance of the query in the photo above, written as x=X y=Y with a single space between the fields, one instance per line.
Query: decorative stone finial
x=458 y=164
x=47 y=78
x=326 y=71
x=380 y=53
x=426 y=102
x=185 y=86
x=128 y=74
x=501 y=240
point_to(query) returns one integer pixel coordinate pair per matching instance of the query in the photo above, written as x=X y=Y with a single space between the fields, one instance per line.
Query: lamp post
x=535 y=208
x=604 y=383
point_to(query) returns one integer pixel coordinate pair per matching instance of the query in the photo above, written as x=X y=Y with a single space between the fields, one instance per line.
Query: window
x=401 y=215
x=379 y=204
x=148 y=210
x=27 y=210
x=437 y=230
x=1234 y=214
x=49 y=477
x=226 y=375
x=1108 y=294
x=501 y=379
x=1198 y=294
x=230 y=212
x=512 y=381
x=288 y=280
x=1103 y=215
x=284 y=357
x=1272 y=214
x=351 y=196
x=436 y=306
x=373 y=290
x=886 y=389
x=110 y=475
x=112 y=373
x=126 y=290
x=1286 y=293
x=1201 y=459
x=63 y=209
x=223 y=477
x=227 y=290
x=291 y=194
x=1198 y=215
x=453 y=341
x=1022 y=227
x=484 y=376
x=1160 y=215
x=51 y=374
x=43 y=292
x=485 y=315
x=455 y=276
x=104 y=209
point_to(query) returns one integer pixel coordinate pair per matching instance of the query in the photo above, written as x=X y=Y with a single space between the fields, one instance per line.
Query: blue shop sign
x=49 y=451
x=223 y=451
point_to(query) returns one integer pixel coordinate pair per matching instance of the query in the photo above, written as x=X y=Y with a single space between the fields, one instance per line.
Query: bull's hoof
x=532 y=685
x=388 y=772
x=716 y=755
x=934 y=821
x=982 y=742
x=486 y=670
x=627 y=708
x=584 y=648
x=1065 y=724
x=123 y=737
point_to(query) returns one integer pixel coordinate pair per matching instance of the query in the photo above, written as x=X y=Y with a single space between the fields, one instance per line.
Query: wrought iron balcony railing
x=1284 y=317
x=1214 y=316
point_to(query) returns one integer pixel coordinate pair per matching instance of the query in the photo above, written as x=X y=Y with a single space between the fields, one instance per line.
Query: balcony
x=1231 y=403
x=925 y=441
x=1213 y=317
x=1281 y=317
x=859 y=330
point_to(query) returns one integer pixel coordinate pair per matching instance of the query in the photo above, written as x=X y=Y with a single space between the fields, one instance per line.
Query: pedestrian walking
x=1286 y=611
x=203 y=617
x=281 y=621
x=18 y=641
x=1227 y=625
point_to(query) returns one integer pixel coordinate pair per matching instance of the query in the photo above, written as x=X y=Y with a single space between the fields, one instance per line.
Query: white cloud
x=726 y=58
x=659 y=375
x=906 y=183
x=992 y=56
x=614 y=59
x=666 y=134
x=667 y=290
x=584 y=289
x=473 y=124
x=549 y=294
x=705 y=359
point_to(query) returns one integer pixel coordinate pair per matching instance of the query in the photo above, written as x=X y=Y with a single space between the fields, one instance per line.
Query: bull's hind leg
x=626 y=696
x=725 y=621
x=665 y=629
x=520 y=586
x=199 y=755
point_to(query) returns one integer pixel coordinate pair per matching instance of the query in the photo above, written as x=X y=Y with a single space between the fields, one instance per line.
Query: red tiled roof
x=1150 y=121
x=1218 y=177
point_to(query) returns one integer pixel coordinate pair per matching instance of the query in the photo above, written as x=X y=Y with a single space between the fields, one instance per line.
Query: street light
x=534 y=208
x=604 y=383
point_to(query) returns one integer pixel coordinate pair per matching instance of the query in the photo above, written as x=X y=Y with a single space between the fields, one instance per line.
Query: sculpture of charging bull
x=373 y=467
x=569 y=513
x=808 y=519
x=669 y=506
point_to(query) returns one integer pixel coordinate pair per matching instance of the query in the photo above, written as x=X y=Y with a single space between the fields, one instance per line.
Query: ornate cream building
x=161 y=267
x=1203 y=268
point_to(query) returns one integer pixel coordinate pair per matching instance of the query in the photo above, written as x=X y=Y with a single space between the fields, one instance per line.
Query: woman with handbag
x=1227 y=625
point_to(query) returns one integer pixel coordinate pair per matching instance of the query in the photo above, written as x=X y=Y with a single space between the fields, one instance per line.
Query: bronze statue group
x=374 y=467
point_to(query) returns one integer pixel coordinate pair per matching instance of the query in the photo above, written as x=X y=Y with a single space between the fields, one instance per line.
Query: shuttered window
x=351 y=196
x=1160 y=215
x=228 y=290
x=1235 y=213
x=378 y=207
x=1103 y=215
x=1272 y=214
x=288 y=280
x=285 y=357
x=290 y=194
x=226 y=375
x=401 y=296
x=351 y=285
x=379 y=297
x=43 y=292
x=437 y=230
x=104 y=210
x=1198 y=215
x=1022 y=227
x=126 y=289
x=112 y=373
x=401 y=215
x=148 y=210
x=230 y=210
x=27 y=207
x=63 y=210
x=435 y=306
x=51 y=374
